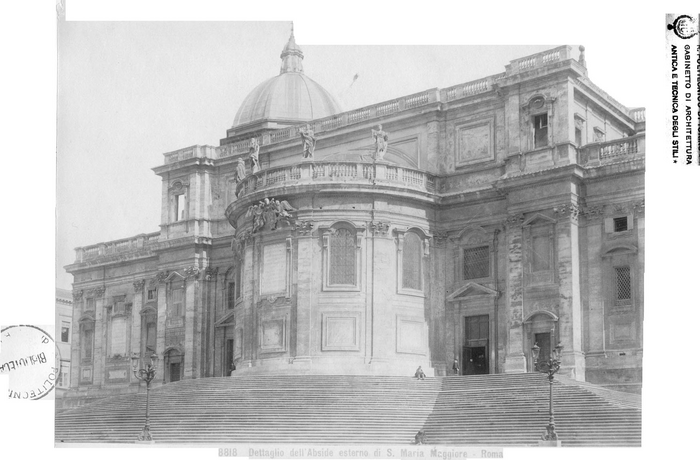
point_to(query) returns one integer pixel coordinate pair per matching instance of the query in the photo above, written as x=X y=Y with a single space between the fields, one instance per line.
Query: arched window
x=412 y=273
x=342 y=257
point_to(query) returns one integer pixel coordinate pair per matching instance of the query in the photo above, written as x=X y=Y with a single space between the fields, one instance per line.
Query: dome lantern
x=292 y=56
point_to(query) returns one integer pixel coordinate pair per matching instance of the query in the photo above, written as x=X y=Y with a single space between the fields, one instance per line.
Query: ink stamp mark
x=684 y=26
x=27 y=354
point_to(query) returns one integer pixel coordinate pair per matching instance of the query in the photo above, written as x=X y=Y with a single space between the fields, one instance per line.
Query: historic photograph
x=260 y=241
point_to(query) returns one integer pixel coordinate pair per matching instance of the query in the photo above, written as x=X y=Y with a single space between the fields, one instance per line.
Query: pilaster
x=75 y=339
x=249 y=332
x=570 y=314
x=159 y=281
x=516 y=361
x=435 y=286
x=381 y=254
x=98 y=355
x=305 y=301
x=136 y=306
x=192 y=334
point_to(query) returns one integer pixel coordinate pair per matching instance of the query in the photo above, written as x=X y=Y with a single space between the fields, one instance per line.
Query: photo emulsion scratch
x=426 y=271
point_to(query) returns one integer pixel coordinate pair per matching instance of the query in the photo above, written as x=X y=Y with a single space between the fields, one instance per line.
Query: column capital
x=138 y=285
x=567 y=211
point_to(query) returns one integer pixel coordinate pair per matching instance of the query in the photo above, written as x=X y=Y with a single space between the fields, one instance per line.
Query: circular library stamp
x=28 y=354
x=684 y=26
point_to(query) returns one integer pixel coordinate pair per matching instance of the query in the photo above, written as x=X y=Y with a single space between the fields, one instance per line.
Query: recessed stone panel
x=117 y=374
x=274 y=269
x=474 y=143
x=272 y=336
x=341 y=332
x=622 y=332
x=410 y=335
x=86 y=374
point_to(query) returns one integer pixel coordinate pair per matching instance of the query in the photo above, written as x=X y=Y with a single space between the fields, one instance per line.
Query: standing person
x=455 y=367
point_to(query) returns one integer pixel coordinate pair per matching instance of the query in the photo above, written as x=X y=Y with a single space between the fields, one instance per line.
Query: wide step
x=480 y=410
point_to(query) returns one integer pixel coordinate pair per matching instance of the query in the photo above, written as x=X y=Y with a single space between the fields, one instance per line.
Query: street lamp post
x=147 y=376
x=549 y=367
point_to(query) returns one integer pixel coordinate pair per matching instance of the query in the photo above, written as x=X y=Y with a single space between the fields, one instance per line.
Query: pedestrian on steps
x=420 y=375
x=455 y=367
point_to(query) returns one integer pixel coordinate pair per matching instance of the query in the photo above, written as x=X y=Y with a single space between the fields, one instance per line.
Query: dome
x=289 y=97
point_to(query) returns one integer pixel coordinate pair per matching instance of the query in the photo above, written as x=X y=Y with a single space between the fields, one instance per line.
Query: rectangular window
x=150 y=337
x=540 y=123
x=152 y=294
x=179 y=205
x=578 y=137
x=65 y=331
x=177 y=298
x=620 y=224
x=118 y=336
x=541 y=253
x=90 y=304
x=623 y=286
x=476 y=263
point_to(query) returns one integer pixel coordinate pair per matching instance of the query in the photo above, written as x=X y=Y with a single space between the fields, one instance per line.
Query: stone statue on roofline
x=254 y=153
x=381 y=142
x=308 y=141
x=240 y=170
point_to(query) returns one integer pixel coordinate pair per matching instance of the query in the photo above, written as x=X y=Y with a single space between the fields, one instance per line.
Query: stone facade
x=505 y=211
x=63 y=324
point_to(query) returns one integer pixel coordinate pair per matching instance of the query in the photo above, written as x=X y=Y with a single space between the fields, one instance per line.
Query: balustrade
x=367 y=173
x=620 y=147
x=539 y=60
x=638 y=115
x=471 y=88
x=606 y=152
x=388 y=108
x=358 y=115
x=116 y=247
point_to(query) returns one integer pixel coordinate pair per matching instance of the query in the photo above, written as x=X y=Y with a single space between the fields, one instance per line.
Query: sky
x=127 y=92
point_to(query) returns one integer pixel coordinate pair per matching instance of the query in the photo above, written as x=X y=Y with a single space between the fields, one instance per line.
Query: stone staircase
x=324 y=409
